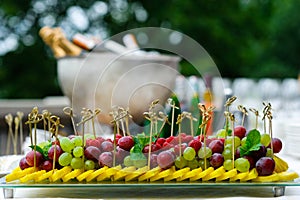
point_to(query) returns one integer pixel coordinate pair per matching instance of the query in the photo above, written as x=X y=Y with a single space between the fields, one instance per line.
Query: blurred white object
x=104 y=79
x=292 y=136
x=8 y=163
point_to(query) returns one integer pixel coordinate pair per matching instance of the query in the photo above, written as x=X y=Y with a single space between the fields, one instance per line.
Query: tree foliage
x=246 y=38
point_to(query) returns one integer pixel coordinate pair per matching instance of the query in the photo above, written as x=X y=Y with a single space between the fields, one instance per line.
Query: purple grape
x=216 y=160
x=92 y=153
x=265 y=166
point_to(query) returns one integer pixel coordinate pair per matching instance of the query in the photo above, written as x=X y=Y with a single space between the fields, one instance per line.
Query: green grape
x=243 y=141
x=66 y=144
x=77 y=163
x=204 y=152
x=242 y=164
x=44 y=144
x=78 y=152
x=189 y=153
x=228 y=146
x=77 y=141
x=269 y=153
x=228 y=165
x=89 y=164
x=227 y=154
x=180 y=162
x=193 y=164
x=237 y=141
x=65 y=159
x=127 y=161
x=265 y=139
x=221 y=133
x=202 y=164
x=141 y=162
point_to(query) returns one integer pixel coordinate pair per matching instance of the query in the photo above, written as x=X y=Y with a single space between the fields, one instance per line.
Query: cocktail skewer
x=20 y=116
x=173 y=107
x=244 y=111
x=164 y=118
x=69 y=111
x=17 y=123
x=256 y=113
x=9 y=120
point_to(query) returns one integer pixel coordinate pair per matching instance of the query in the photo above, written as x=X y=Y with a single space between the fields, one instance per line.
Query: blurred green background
x=246 y=38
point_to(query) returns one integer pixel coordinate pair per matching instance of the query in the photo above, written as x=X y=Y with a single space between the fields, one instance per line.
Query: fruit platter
x=161 y=156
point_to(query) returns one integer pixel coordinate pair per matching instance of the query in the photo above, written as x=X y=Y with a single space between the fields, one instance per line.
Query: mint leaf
x=40 y=150
x=252 y=143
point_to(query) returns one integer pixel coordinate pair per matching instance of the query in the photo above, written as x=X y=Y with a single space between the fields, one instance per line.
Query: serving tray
x=278 y=188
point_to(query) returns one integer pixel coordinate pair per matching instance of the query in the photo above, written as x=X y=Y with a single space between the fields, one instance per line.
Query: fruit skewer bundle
x=232 y=154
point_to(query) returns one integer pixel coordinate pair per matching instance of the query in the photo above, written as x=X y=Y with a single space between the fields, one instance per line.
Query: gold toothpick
x=172 y=104
x=20 y=116
x=69 y=112
x=9 y=120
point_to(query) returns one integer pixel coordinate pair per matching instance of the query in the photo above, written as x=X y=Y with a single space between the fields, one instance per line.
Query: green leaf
x=252 y=143
x=43 y=151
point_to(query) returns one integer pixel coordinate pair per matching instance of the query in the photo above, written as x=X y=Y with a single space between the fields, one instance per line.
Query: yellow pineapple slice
x=85 y=174
x=216 y=173
x=96 y=173
x=149 y=174
x=133 y=175
x=252 y=175
x=288 y=176
x=60 y=173
x=123 y=172
x=19 y=174
x=190 y=174
x=32 y=176
x=227 y=175
x=17 y=169
x=72 y=174
x=239 y=176
x=108 y=173
x=271 y=178
x=202 y=174
x=44 y=176
x=177 y=174
x=163 y=174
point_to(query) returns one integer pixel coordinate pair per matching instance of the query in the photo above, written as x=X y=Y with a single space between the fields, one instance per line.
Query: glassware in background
x=269 y=91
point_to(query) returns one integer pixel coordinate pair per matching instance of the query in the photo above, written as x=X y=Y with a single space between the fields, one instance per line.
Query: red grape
x=251 y=161
x=106 y=159
x=240 y=131
x=165 y=159
x=188 y=138
x=259 y=153
x=153 y=160
x=265 y=166
x=92 y=153
x=160 y=141
x=177 y=148
x=107 y=146
x=23 y=164
x=47 y=165
x=59 y=151
x=277 y=145
x=30 y=158
x=126 y=143
x=121 y=154
x=92 y=142
x=196 y=144
x=216 y=146
x=216 y=160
